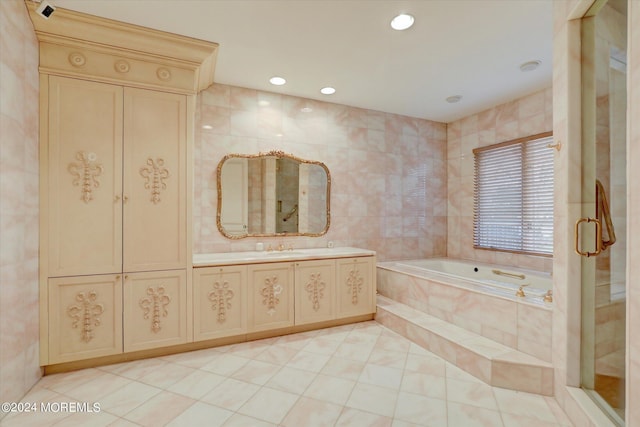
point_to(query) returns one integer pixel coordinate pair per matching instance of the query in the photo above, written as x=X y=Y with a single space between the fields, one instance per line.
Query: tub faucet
x=548 y=297
x=520 y=291
x=281 y=247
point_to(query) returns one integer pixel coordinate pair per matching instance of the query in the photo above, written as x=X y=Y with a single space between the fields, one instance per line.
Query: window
x=513 y=196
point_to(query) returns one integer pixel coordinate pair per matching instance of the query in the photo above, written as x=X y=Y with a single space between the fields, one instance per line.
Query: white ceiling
x=471 y=48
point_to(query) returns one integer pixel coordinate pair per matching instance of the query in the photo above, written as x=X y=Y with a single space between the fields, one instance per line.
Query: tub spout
x=548 y=297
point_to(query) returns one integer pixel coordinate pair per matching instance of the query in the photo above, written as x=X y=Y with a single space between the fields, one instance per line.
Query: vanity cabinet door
x=220 y=302
x=315 y=291
x=356 y=286
x=155 y=309
x=85 y=317
x=271 y=304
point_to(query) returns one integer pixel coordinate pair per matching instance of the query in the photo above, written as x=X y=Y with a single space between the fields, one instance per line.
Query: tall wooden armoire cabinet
x=117 y=105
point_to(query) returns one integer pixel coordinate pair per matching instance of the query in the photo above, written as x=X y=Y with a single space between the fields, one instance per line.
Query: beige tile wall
x=19 y=367
x=389 y=186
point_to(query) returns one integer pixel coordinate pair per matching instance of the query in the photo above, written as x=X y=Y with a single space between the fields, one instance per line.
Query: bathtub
x=493 y=279
x=481 y=298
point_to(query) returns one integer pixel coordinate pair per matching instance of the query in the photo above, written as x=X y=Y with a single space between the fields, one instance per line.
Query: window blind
x=513 y=196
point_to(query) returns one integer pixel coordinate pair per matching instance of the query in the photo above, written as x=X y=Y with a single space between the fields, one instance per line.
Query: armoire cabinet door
x=355 y=287
x=270 y=296
x=84 y=153
x=155 y=309
x=85 y=317
x=155 y=199
x=220 y=302
x=315 y=291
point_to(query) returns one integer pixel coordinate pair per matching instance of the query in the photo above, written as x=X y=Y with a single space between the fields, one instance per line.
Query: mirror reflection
x=271 y=194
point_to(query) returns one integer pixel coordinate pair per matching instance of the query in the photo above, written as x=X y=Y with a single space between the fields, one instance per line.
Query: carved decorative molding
x=315 y=290
x=161 y=60
x=220 y=298
x=87 y=313
x=86 y=172
x=270 y=292
x=354 y=285
x=163 y=74
x=121 y=66
x=155 y=302
x=77 y=59
x=155 y=173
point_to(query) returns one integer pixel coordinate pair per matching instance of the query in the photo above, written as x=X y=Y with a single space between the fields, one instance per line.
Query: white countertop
x=252 y=257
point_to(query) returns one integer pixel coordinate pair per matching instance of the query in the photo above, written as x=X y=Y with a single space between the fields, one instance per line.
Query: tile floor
x=353 y=375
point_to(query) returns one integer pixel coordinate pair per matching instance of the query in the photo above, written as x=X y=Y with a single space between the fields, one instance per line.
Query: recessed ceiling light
x=327 y=90
x=207 y=127
x=306 y=109
x=402 y=22
x=453 y=99
x=530 y=66
x=278 y=81
x=263 y=103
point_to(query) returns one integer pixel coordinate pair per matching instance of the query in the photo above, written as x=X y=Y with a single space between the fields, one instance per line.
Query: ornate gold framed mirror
x=272 y=194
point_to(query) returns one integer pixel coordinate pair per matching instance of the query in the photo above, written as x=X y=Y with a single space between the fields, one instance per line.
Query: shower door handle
x=598 y=224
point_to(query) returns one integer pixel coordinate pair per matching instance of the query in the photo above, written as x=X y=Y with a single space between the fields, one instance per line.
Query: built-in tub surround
x=388 y=190
x=446 y=289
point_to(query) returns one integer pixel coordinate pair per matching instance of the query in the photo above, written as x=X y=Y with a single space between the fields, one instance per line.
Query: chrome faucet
x=281 y=247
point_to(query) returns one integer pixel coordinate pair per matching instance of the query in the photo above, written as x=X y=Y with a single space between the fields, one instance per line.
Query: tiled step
x=491 y=362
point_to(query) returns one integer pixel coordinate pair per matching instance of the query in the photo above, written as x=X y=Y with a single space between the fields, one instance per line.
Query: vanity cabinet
x=220 y=302
x=271 y=296
x=355 y=287
x=250 y=295
x=315 y=291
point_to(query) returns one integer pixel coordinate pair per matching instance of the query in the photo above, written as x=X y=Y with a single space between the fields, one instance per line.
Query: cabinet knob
x=116 y=198
x=118 y=277
x=125 y=199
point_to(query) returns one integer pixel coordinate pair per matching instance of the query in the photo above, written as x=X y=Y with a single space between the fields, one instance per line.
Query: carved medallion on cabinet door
x=155 y=305
x=85 y=317
x=354 y=284
x=86 y=312
x=270 y=292
x=155 y=175
x=315 y=291
x=86 y=172
x=220 y=302
x=155 y=309
x=220 y=298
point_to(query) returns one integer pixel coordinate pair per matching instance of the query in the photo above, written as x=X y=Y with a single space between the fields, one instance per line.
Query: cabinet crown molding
x=80 y=45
